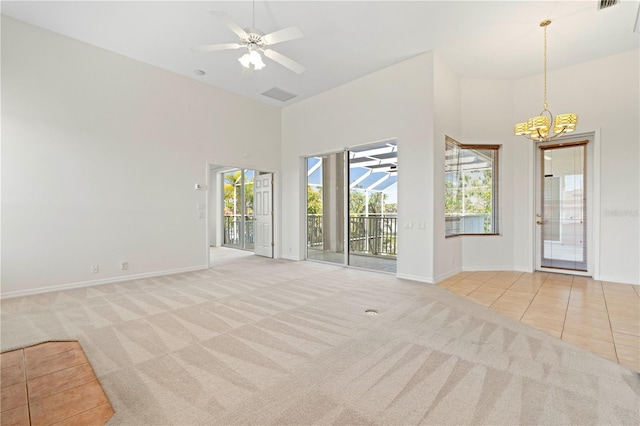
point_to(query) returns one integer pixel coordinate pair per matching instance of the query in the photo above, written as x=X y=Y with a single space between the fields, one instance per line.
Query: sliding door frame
x=346 y=200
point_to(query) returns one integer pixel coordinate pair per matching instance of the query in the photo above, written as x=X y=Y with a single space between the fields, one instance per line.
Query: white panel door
x=263 y=219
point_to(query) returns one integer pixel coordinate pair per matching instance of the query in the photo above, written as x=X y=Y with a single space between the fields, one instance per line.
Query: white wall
x=448 y=256
x=605 y=94
x=487 y=119
x=100 y=155
x=395 y=102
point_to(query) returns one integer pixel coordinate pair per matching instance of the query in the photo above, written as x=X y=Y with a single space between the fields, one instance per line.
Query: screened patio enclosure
x=352 y=207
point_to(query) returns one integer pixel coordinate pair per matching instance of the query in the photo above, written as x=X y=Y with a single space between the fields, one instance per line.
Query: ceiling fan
x=256 y=42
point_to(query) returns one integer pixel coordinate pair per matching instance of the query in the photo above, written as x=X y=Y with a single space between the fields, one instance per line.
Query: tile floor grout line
x=46 y=374
x=61 y=420
x=566 y=311
x=73 y=387
x=501 y=294
x=606 y=306
x=81 y=412
x=575 y=290
x=534 y=296
x=26 y=388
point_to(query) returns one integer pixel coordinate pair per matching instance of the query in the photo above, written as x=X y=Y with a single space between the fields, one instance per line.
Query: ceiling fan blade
x=215 y=47
x=284 y=61
x=286 y=34
x=224 y=18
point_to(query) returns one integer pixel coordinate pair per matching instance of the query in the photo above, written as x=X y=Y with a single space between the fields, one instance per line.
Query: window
x=471 y=189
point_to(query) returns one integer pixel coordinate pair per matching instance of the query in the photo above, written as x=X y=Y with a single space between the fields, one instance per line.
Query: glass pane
x=373 y=207
x=563 y=218
x=325 y=208
x=477 y=167
x=233 y=226
x=248 y=209
x=452 y=189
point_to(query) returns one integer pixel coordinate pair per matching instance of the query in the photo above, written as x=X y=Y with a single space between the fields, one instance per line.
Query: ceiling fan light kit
x=538 y=128
x=252 y=59
x=256 y=43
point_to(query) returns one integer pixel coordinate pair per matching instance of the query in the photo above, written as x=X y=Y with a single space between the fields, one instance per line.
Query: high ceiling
x=343 y=40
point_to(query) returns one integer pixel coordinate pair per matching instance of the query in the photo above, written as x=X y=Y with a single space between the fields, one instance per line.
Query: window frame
x=453 y=166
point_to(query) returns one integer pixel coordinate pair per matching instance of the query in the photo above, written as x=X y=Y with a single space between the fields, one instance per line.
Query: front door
x=263 y=214
x=561 y=207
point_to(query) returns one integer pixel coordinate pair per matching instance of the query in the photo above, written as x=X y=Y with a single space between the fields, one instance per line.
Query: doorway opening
x=563 y=203
x=241 y=209
x=352 y=207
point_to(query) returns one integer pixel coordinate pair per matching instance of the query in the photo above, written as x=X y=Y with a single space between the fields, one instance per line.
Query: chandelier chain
x=545 y=67
x=543 y=127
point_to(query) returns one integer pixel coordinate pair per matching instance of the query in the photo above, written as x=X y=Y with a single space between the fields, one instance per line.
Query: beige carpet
x=260 y=341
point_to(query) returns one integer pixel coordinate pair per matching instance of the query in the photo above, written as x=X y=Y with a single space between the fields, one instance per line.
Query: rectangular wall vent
x=279 y=94
x=603 y=4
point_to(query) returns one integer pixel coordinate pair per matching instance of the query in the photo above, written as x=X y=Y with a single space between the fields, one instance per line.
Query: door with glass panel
x=238 y=209
x=561 y=207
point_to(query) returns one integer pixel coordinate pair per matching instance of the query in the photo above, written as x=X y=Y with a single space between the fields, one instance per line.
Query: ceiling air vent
x=279 y=94
x=603 y=4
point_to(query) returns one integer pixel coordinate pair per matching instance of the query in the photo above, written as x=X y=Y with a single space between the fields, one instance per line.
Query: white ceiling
x=343 y=40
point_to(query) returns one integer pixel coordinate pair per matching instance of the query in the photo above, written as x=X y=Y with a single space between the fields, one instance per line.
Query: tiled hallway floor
x=601 y=317
x=51 y=383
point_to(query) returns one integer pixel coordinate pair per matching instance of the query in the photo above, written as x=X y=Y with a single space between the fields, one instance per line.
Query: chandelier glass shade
x=539 y=128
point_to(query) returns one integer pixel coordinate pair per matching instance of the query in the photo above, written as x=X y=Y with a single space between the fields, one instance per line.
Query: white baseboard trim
x=427 y=280
x=615 y=279
x=290 y=257
x=448 y=274
x=487 y=268
x=69 y=286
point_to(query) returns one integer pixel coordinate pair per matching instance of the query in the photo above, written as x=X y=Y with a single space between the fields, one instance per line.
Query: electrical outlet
x=95 y=269
x=124 y=266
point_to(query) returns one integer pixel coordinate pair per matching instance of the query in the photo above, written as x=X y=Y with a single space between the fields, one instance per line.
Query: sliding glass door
x=352 y=207
x=325 y=208
x=373 y=207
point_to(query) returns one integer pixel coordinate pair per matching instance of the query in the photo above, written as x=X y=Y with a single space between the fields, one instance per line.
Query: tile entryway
x=601 y=317
x=51 y=383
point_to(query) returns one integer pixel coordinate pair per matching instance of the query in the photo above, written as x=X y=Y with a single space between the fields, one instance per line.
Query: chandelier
x=538 y=128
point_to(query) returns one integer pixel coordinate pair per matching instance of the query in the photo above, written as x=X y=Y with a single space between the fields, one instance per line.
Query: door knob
x=539 y=222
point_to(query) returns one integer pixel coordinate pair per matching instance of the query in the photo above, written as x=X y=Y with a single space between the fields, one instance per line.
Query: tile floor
x=51 y=383
x=601 y=317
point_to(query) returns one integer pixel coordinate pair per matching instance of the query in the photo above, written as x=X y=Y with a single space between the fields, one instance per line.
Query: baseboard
x=69 y=286
x=615 y=279
x=427 y=280
x=290 y=257
x=486 y=268
x=448 y=274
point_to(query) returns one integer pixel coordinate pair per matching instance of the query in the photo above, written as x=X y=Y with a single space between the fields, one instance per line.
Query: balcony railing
x=314 y=230
x=233 y=228
x=371 y=234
